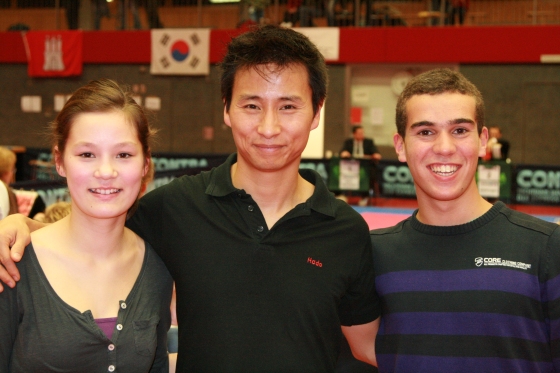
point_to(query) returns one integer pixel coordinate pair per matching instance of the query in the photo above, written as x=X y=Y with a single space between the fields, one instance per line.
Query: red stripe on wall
x=493 y=44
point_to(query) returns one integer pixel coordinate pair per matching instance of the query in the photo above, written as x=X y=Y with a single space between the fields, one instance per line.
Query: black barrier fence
x=520 y=184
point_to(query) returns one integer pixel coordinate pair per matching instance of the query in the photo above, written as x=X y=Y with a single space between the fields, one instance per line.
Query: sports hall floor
x=385 y=212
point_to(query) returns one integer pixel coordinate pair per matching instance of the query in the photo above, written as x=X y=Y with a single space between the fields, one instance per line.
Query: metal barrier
x=227 y=14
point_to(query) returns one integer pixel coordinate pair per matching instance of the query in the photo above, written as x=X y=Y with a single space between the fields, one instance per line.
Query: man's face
x=442 y=145
x=271 y=116
x=359 y=134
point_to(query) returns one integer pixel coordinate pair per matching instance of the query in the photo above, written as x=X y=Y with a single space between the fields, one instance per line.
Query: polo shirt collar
x=322 y=200
x=220 y=185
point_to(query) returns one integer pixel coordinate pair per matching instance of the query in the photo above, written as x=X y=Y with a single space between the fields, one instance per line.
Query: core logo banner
x=180 y=51
x=54 y=53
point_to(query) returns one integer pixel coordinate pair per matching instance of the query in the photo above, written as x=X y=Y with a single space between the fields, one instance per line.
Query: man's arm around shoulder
x=15 y=234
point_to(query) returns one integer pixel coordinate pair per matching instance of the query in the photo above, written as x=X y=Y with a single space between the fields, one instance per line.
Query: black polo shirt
x=250 y=299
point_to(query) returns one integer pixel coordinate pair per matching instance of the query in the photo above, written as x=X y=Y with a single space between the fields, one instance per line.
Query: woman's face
x=103 y=163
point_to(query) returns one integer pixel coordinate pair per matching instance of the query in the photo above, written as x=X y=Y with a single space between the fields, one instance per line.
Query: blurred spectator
x=7 y=165
x=56 y=211
x=72 y=10
x=29 y=202
x=152 y=13
x=360 y=147
x=8 y=204
x=436 y=7
x=457 y=8
x=123 y=13
x=252 y=10
x=387 y=15
x=497 y=147
x=329 y=10
x=308 y=10
x=25 y=202
x=101 y=9
x=291 y=15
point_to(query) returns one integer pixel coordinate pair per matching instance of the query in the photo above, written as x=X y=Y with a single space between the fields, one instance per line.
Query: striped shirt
x=478 y=297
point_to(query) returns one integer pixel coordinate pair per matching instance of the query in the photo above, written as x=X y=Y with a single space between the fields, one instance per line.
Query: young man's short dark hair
x=435 y=82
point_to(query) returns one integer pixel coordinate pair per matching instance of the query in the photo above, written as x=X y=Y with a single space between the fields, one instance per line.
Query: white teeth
x=444 y=170
x=105 y=191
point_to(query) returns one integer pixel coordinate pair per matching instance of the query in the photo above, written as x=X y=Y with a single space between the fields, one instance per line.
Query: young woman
x=93 y=297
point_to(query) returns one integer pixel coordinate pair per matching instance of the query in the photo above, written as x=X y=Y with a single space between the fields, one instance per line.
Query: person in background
x=152 y=13
x=497 y=148
x=93 y=296
x=457 y=11
x=54 y=212
x=270 y=269
x=291 y=14
x=360 y=147
x=101 y=10
x=72 y=13
x=4 y=201
x=307 y=13
x=462 y=285
x=9 y=203
x=27 y=202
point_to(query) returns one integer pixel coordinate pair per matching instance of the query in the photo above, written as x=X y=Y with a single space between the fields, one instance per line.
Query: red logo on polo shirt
x=314 y=262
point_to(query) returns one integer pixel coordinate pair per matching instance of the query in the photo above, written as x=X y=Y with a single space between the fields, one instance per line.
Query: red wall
x=493 y=44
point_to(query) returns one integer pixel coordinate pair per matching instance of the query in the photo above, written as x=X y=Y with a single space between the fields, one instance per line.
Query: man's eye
x=461 y=131
x=288 y=107
x=251 y=106
x=425 y=133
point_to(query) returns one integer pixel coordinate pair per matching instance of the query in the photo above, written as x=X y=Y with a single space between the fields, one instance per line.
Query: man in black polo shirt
x=268 y=264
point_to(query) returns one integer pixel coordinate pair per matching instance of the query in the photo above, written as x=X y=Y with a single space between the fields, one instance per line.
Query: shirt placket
x=253 y=216
x=111 y=347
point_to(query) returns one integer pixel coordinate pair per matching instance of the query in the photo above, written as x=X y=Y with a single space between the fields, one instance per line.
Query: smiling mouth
x=444 y=170
x=105 y=191
x=264 y=146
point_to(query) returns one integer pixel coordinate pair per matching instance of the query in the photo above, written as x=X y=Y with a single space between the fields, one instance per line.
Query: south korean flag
x=180 y=52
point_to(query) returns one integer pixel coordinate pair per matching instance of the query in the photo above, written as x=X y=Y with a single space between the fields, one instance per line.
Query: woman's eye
x=124 y=155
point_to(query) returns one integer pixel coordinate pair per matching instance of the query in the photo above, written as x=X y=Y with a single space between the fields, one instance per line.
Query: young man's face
x=442 y=145
x=271 y=116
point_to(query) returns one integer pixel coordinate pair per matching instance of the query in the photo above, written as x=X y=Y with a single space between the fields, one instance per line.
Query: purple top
x=107 y=325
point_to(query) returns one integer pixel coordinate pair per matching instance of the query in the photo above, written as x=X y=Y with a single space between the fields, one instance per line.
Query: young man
x=267 y=263
x=464 y=286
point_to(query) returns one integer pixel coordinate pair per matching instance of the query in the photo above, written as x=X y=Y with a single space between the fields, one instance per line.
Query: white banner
x=327 y=40
x=349 y=178
x=180 y=51
x=489 y=181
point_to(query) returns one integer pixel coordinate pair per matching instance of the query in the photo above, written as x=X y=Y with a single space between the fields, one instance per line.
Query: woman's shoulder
x=150 y=254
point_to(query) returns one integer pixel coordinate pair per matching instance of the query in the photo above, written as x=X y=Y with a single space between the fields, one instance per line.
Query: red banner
x=54 y=53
